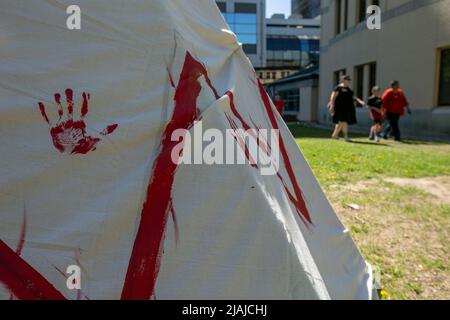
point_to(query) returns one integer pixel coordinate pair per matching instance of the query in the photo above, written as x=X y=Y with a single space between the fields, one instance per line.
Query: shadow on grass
x=301 y=131
x=370 y=143
x=417 y=142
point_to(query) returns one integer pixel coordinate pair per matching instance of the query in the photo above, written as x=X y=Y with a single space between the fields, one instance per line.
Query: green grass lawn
x=342 y=162
x=402 y=231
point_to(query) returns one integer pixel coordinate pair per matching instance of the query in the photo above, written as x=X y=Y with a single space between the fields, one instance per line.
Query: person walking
x=342 y=107
x=279 y=103
x=395 y=102
x=376 y=113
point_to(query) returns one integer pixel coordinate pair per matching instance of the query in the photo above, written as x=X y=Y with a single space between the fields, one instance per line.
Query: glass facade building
x=292 y=51
x=244 y=26
x=277 y=45
x=307 y=8
x=243 y=22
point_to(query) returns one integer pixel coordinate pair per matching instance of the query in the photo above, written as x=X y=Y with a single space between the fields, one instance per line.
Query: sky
x=278 y=6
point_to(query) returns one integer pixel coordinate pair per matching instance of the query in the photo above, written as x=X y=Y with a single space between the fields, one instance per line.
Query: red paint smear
x=44 y=115
x=70 y=136
x=69 y=99
x=23 y=232
x=109 y=129
x=58 y=103
x=265 y=147
x=145 y=258
x=175 y=224
x=235 y=112
x=172 y=83
x=84 y=107
x=241 y=142
x=22 y=236
x=22 y=279
x=298 y=200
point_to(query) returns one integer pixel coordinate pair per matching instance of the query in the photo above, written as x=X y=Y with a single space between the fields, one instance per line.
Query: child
x=376 y=113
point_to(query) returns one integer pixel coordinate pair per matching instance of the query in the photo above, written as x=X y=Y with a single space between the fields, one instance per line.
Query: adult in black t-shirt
x=342 y=103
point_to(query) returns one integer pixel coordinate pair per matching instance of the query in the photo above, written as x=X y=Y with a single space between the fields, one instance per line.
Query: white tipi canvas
x=86 y=177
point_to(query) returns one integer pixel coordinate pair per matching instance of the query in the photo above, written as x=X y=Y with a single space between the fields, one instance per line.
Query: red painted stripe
x=145 y=258
x=240 y=140
x=84 y=106
x=69 y=99
x=44 y=115
x=109 y=129
x=22 y=279
x=298 y=201
x=252 y=131
x=21 y=243
x=23 y=233
x=58 y=104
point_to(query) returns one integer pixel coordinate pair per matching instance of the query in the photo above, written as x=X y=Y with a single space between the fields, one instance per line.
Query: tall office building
x=291 y=44
x=246 y=19
x=276 y=46
x=308 y=9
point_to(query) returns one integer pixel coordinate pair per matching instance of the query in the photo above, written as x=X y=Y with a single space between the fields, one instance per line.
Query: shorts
x=376 y=118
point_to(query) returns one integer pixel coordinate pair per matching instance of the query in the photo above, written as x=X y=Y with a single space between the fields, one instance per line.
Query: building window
x=309 y=9
x=245 y=7
x=291 y=99
x=341 y=16
x=243 y=22
x=345 y=15
x=290 y=51
x=366 y=71
x=222 y=6
x=444 y=78
x=359 y=81
x=362 y=7
x=338 y=16
x=249 y=48
x=372 y=76
x=338 y=75
x=274 y=75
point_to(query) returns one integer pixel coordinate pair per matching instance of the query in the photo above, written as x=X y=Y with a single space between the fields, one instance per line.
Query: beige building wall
x=405 y=49
x=308 y=104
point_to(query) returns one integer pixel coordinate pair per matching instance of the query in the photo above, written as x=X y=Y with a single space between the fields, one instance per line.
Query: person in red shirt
x=279 y=104
x=394 y=102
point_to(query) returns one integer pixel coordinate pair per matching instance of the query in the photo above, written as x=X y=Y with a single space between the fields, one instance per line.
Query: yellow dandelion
x=384 y=294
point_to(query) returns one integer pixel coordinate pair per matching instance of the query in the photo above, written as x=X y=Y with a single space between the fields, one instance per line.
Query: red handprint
x=70 y=136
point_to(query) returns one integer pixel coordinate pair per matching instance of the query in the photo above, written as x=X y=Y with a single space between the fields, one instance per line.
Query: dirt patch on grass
x=437 y=186
x=402 y=228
